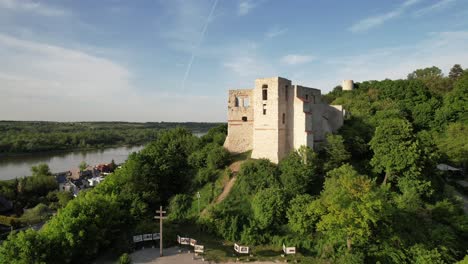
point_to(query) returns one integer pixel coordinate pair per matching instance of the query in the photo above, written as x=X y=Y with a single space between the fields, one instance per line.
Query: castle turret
x=348 y=85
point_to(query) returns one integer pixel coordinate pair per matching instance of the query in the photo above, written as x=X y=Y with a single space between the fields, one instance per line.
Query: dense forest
x=38 y=136
x=370 y=194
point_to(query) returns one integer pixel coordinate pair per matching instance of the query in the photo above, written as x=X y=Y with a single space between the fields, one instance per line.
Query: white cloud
x=374 y=21
x=40 y=81
x=294 y=59
x=51 y=70
x=275 y=32
x=33 y=7
x=245 y=6
x=442 y=4
x=441 y=49
x=244 y=66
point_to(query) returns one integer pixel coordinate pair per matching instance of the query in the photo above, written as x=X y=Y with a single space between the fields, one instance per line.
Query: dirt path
x=226 y=190
x=234 y=167
x=228 y=186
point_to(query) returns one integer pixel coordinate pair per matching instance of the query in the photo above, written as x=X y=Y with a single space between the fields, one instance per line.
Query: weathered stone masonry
x=276 y=117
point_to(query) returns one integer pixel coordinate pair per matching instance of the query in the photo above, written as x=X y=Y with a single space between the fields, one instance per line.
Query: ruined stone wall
x=240 y=121
x=289 y=117
x=326 y=119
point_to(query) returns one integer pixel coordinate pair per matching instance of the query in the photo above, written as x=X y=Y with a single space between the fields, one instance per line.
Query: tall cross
x=160 y=217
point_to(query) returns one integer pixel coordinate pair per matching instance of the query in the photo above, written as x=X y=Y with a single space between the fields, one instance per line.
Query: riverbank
x=65 y=151
x=19 y=166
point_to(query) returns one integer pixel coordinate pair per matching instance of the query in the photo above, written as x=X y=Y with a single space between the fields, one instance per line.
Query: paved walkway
x=171 y=256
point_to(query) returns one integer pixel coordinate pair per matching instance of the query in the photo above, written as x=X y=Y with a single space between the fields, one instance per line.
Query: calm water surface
x=18 y=166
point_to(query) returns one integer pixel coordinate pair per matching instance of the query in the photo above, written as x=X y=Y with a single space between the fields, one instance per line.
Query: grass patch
x=219 y=250
x=208 y=193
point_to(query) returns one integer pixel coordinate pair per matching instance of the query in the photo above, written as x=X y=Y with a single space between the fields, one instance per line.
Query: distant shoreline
x=58 y=151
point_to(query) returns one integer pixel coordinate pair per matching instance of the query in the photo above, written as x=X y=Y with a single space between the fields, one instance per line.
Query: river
x=18 y=166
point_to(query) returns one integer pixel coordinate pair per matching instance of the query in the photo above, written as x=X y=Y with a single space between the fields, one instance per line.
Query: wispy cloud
x=294 y=59
x=202 y=36
x=43 y=81
x=36 y=68
x=33 y=7
x=245 y=6
x=442 y=4
x=244 y=62
x=377 y=20
x=441 y=49
x=275 y=32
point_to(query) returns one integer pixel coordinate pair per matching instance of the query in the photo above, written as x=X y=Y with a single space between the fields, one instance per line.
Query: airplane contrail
x=192 y=58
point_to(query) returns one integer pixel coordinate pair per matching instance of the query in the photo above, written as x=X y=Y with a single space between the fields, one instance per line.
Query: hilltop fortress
x=276 y=117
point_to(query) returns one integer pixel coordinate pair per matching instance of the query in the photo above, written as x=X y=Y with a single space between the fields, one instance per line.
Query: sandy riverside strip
x=172 y=256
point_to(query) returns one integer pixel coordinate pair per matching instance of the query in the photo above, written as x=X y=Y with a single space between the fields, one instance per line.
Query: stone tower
x=347 y=85
x=279 y=118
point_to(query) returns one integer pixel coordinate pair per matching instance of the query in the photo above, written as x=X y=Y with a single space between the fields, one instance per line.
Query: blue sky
x=172 y=60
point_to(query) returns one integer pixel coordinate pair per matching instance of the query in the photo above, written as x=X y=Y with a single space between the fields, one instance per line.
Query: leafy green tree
x=83 y=165
x=25 y=247
x=433 y=78
x=454 y=143
x=429 y=72
x=395 y=150
x=455 y=106
x=300 y=218
x=420 y=255
x=269 y=206
x=216 y=135
x=350 y=208
x=179 y=207
x=299 y=171
x=256 y=175
x=335 y=151
x=36 y=215
x=455 y=72
x=217 y=157
x=41 y=170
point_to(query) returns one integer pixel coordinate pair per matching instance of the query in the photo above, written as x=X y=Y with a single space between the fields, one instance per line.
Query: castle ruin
x=276 y=117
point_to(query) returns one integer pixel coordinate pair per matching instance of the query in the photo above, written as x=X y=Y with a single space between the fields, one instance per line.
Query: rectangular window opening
x=246 y=102
x=264 y=109
x=284 y=118
x=265 y=94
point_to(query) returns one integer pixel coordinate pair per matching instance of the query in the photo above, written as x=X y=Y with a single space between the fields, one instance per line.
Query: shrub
x=125 y=259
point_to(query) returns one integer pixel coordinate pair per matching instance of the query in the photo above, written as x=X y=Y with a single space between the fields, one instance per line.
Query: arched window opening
x=236 y=102
x=244 y=119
